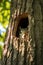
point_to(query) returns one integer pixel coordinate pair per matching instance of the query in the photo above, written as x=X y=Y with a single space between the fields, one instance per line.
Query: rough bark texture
x=38 y=30
x=23 y=45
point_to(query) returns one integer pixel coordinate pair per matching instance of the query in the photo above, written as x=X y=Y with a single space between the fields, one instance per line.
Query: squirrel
x=17 y=20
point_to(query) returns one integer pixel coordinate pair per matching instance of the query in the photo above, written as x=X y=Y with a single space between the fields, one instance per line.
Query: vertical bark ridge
x=25 y=54
x=17 y=60
x=12 y=49
x=38 y=24
x=25 y=5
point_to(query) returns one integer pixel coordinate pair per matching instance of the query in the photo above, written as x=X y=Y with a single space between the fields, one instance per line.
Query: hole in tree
x=24 y=22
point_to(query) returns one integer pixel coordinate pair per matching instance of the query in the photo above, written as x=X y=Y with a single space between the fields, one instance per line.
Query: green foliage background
x=4 y=19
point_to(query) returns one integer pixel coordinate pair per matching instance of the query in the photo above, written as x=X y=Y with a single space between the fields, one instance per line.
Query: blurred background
x=4 y=20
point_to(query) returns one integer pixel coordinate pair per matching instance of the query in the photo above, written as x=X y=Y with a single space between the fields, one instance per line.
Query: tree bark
x=27 y=50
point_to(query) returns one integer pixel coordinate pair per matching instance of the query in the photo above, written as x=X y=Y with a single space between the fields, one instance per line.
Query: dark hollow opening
x=24 y=22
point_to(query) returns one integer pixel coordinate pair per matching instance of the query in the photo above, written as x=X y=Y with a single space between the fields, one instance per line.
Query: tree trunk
x=24 y=35
x=38 y=30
